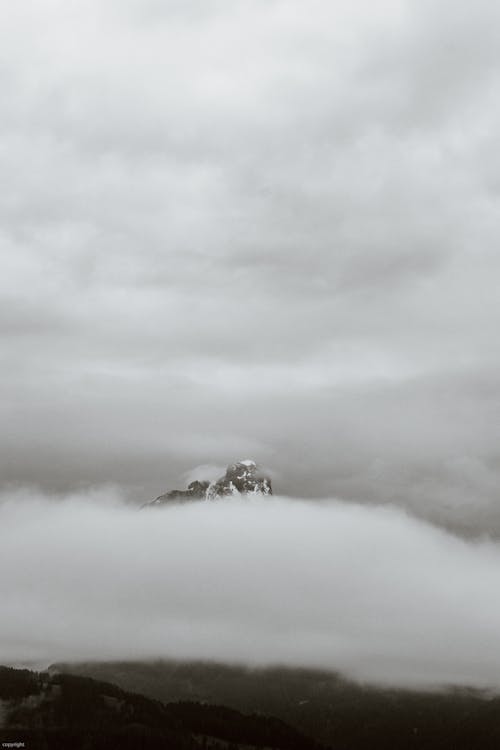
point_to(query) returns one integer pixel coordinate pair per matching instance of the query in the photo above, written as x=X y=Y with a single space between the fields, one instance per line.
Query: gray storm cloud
x=368 y=591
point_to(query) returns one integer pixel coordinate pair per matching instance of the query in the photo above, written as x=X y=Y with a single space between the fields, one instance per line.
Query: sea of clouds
x=371 y=592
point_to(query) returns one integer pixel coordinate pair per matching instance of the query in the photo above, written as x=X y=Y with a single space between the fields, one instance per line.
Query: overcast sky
x=255 y=228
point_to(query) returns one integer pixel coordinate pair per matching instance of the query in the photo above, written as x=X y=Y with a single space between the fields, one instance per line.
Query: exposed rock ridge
x=241 y=478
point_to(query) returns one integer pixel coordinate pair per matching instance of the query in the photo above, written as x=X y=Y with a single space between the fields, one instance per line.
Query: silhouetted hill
x=52 y=711
x=342 y=714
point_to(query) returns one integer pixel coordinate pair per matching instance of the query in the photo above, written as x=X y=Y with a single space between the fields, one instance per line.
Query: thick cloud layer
x=263 y=227
x=369 y=591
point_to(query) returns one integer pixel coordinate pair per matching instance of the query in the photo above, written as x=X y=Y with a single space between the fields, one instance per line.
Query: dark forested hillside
x=60 y=711
x=339 y=713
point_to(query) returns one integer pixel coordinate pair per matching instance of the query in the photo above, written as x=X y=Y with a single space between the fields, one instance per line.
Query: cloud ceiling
x=265 y=228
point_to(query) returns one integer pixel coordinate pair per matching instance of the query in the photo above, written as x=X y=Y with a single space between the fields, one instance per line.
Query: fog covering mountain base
x=371 y=592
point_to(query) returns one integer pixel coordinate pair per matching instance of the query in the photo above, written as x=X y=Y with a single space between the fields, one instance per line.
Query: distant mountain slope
x=335 y=711
x=59 y=710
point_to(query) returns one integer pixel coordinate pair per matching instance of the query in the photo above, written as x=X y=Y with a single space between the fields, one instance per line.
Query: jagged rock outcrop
x=241 y=478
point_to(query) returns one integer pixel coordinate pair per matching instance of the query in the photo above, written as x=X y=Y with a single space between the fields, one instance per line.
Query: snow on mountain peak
x=241 y=479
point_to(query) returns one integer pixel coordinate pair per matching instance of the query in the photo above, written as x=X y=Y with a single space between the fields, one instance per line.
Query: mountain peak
x=241 y=479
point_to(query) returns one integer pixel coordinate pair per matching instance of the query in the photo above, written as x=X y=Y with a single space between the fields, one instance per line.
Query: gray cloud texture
x=369 y=591
x=259 y=228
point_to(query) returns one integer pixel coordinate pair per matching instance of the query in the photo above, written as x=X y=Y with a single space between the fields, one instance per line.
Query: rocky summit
x=241 y=478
